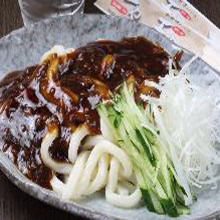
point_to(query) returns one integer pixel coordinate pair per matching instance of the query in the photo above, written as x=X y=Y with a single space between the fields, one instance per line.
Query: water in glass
x=36 y=10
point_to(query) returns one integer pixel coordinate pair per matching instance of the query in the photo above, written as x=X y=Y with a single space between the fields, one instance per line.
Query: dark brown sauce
x=65 y=91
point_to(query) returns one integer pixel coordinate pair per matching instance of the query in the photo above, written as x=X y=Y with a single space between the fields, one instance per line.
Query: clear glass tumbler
x=36 y=10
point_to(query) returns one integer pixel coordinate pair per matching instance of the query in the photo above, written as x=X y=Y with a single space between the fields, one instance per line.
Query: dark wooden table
x=14 y=204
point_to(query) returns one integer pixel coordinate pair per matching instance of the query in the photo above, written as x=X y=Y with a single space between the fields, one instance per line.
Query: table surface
x=14 y=204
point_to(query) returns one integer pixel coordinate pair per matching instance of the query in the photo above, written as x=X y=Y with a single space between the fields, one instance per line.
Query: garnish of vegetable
x=132 y=127
x=189 y=120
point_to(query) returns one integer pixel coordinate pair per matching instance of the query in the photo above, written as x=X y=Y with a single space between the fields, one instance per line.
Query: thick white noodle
x=99 y=168
x=103 y=165
x=75 y=141
x=124 y=191
x=102 y=147
x=91 y=141
x=125 y=187
x=71 y=188
x=57 y=185
x=123 y=201
x=63 y=168
x=100 y=179
x=113 y=175
x=57 y=49
x=120 y=200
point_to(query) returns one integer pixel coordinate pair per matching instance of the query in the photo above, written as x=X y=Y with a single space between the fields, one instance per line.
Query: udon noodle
x=100 y=164
x=95 y=164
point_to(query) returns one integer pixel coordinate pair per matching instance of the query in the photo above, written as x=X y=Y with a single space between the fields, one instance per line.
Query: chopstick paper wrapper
x=177 y=19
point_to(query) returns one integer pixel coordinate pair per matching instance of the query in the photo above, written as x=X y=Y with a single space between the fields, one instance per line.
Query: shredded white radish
x=188 y=117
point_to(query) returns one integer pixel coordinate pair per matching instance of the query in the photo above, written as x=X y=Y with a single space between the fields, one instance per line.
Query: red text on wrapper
x=178 y=31
x=185 y=14
x=119 y=7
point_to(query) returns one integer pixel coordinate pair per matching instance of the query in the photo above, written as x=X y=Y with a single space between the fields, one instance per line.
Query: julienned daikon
x=172 y=142
x=189 y=122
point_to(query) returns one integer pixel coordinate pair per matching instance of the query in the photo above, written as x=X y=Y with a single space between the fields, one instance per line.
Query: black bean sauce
x=30 y=100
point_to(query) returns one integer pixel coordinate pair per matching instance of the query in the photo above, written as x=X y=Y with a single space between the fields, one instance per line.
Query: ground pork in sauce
x=66 y=91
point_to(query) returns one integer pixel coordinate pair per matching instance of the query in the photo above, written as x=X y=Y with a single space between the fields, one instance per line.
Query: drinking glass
x=36 y=10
